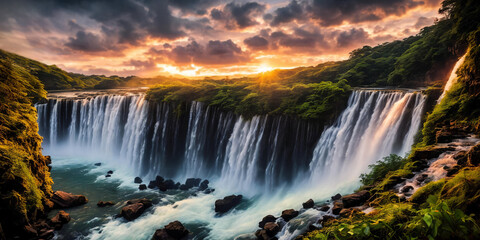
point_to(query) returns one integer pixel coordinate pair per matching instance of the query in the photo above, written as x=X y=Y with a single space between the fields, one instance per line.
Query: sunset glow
x=203 y=38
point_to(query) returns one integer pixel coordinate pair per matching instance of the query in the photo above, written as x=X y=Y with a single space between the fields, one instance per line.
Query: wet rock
x=355 y=199
x=173 y=231
x=266 y=219
x=209 y=190
x=105 y=203
x=336 y=197
x=288 y=214
x=448 y=134
x=142 y=187
x=271 y=229
x=110 y=172
x=135 y=208
x=453 y=170
x=261 y=234
x=461 y=157
x=421 y=178
x=161 y=234
x=60 y=219
x=203 y=185
x=473 y=155
x=308 y=204
x=227 y=203
x=430 y=152
x=162 y=187
x=108 y=175
x=324 y=208
x=184 y=187
x=159 y=180
x=170 y=184
x=176 y=230
x=406 y=189
x=152 y=184
x=66 y=200
x=337 y=207
x=98 y=164
x=137 y=180
x=192 y=182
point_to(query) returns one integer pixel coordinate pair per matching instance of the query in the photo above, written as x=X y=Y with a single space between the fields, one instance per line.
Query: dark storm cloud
x=213 y=53
x=128 y=21
x=351 y=37
x=238 y=16
x=334 y=12
x=293 y=11
x=193 y=6
x=256 y=43
x=310 y=40
x=87 y=42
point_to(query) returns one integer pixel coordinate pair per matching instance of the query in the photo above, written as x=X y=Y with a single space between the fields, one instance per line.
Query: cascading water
x=453 y=77
x=291 y=159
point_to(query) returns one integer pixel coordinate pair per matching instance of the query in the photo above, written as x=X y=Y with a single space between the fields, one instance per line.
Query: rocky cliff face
x=25 y=181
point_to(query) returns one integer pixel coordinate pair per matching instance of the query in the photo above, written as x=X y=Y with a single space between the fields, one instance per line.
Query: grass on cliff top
x=248 y=97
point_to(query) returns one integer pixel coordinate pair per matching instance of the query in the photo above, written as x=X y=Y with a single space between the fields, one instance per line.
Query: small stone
x=110 y=172
x=288 y=214
x=98 y=164
x=137 y=180
x=308 y=204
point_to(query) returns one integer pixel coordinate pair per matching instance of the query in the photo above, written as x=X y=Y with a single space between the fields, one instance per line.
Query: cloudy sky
x=202 y=37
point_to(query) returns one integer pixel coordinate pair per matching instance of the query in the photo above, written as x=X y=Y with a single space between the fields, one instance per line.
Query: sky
x=202 y=37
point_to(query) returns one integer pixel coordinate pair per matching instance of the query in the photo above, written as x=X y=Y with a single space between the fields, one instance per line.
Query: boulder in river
x=192 y=182
x=170 y=184
x=324 y=208
x=159 y=180
x=266 y=219
x=152 y=184
x=288 y=214
x=271 y=229
x=184 y=187
x=203 y=185
x=355 y=199
x=60 y=219
x=337 y=207
x=336 y=197
x=137 y=180
x=63 y=199
x=108 y=175
x=110 y=172
x=227 y=203
x=308 y=204
x=173 y=231
x=142 y=187
x=98 y=164
x=135 y=208
x=105 y=203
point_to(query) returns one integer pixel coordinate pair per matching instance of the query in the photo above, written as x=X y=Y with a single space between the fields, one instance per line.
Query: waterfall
x=374 y=125
x=453 y=77
x=201 y=141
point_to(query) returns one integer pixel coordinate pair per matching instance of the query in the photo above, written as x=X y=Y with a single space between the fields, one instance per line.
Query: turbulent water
x=275 y=161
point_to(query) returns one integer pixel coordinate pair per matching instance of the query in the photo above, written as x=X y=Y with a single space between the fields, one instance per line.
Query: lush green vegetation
x=248 y=96
x=24 y=176
x=381 y=168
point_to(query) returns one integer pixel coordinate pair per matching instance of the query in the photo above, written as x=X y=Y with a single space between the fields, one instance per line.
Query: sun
x=264 y=68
